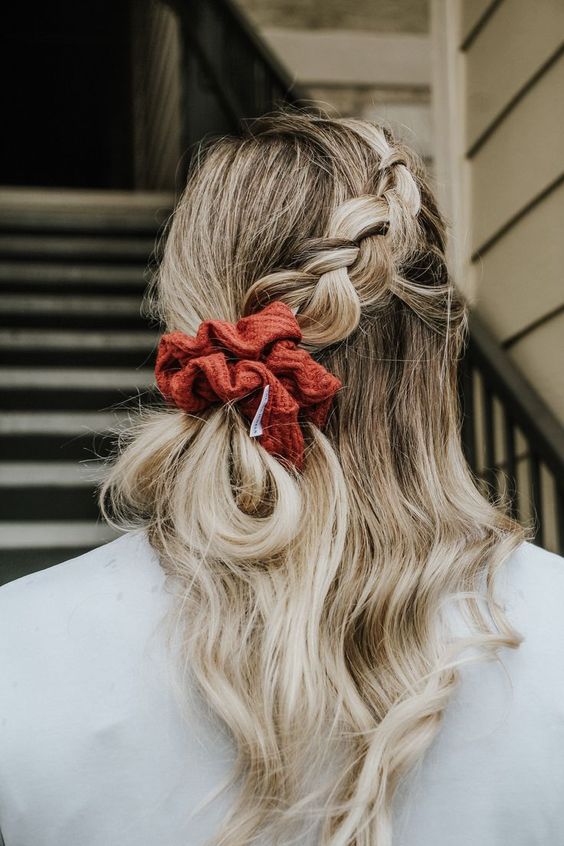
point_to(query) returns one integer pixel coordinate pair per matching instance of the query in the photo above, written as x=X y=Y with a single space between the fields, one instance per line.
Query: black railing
x=228 y=72
x=513 y=443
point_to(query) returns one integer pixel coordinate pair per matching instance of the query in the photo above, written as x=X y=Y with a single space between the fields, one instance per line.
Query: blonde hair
x=312 y=604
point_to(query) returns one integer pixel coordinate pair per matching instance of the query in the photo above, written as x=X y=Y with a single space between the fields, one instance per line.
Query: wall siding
x=472 y=12
x=530 y=33
x=514 y=79
x=521 y=159
x=540 y=356
x=527 y=263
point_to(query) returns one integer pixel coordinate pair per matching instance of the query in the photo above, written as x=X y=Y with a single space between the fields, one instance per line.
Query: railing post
x=510 y=465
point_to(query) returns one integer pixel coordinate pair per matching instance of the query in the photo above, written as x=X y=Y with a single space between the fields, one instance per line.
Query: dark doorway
x=67 y=112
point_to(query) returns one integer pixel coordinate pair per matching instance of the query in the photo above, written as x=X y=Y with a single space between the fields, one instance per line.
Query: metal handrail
x=528 y=410
x=224 y=54
x=487 y=376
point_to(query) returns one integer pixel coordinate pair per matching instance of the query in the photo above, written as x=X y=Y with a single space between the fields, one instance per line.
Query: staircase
x=75 y=352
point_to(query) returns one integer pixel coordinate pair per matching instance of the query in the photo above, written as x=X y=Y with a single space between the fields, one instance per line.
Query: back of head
x=311 y=599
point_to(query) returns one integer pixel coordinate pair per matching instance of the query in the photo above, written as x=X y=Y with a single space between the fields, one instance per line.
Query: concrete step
x=96 y=399
x=78 y=357
x=48 y=502
x=71 y=311
x=47 y=534
x=64 y=474
x=55 y=277
x=76 y=248
x=87 y=399
x=53 y=446
x=70 y=210
x=68 y=304
x=75 y=378
x=76 y=389
x=57 y=423
x=49 y=490
x=42 y=339
x=39 y=348
x=60 y=436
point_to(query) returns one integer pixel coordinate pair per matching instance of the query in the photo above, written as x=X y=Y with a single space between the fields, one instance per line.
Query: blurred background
x=103 y=105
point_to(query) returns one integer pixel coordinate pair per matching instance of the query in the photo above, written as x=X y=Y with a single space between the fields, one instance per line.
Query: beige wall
x=505 y=123
x=368 y=58
x=365 y=15
x=499 y=113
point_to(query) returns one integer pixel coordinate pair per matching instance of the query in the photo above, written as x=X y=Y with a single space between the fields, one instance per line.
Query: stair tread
x=77 y=247
x=83 y=210
x=69 y=303
x=49 y=273
x=69 y=339
x=60 y=422
x=72 y=378
x=42 y=534
x=23 y=474
x=83 y=200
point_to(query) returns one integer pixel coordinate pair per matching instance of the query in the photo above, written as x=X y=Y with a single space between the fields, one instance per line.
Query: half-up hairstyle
x=311 y=604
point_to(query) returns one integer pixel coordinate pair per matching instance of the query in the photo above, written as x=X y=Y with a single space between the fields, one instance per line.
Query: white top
x=94 y=749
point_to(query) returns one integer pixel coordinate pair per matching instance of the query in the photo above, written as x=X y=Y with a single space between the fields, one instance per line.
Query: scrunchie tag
x=256 y=425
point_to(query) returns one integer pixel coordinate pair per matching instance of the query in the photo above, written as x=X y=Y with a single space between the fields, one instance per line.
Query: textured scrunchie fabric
x=228 y=362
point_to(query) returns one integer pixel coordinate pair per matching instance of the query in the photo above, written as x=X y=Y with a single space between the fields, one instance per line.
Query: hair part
x=311 y=605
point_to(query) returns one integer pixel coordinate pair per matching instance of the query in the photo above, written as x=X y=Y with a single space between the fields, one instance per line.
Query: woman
x=303 y=600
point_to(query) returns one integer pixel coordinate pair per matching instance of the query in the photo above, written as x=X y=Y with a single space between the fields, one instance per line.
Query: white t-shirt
x=95 y=751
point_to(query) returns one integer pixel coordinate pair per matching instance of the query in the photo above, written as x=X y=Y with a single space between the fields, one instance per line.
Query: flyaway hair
x=313 y=604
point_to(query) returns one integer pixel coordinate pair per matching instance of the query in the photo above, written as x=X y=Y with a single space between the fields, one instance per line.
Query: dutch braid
x=362 y=258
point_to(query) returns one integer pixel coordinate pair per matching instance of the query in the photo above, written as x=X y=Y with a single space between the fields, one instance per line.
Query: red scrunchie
x=228 y=362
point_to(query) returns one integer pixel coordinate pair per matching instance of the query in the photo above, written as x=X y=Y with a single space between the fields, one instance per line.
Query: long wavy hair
x=312 y=604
